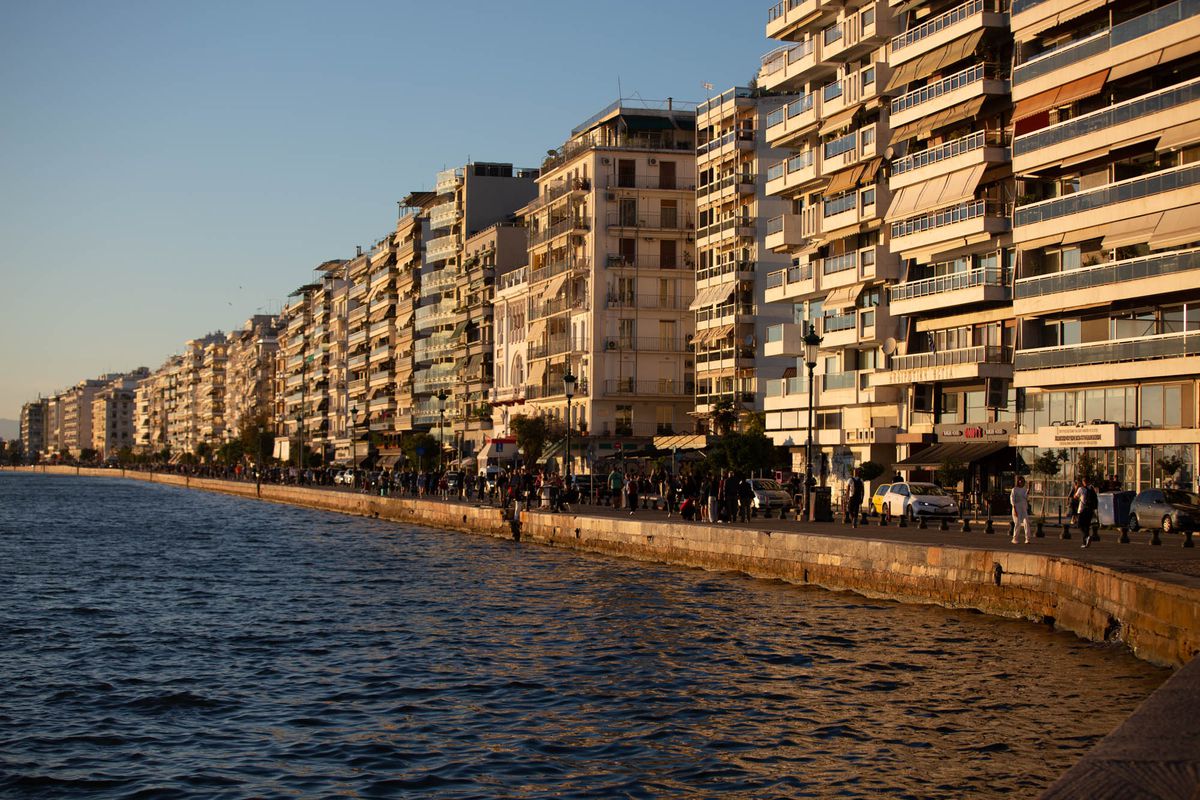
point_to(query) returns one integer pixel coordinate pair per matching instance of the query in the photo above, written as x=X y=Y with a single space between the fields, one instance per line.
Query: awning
x=404 y=318
x=499 y=449
x=536 y=372
x=926 y=125
x=843 y=298
x=536 y=330
x=842 y=182
x=934 y=61
x=968 y=453
x=1125 y=232
x=717 y=334
x=840 y=120
x=1053 y=20
x=459 y=329
x=1069 y=92
x=682 y=441
x=1177 y=226
x=904 y=74
x=712 y=295
x=553 y=287
x=387 y=462
x=869 y=171
x=380 y=315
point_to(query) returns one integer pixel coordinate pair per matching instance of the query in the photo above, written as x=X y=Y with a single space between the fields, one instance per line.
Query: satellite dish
x=889 y=153
x=889 y=346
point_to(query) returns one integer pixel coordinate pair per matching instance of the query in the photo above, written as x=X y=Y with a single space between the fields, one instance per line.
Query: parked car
x=454 y=481
x=920 y=500
x=344 y=478
x=877 y=498
x=768 y=494
x=1173 y=509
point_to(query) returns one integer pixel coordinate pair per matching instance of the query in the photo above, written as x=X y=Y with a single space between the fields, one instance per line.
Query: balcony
x=786 y=393
x=789 y=176
x=1110 y=282
x=851 y=148
x=434 y=347
x=665 y=388
x=381 y=378
x=1149 y=36
x=556 y=229
x=717 y=149
x=725 y=272
x=726 y=187
x=379 y=405
x=723 y=314
x=981 y=285
x=448 y=180
x=967 y=363
x=945 y=28
x=1146 y=357
x=380 y=354
x=788 y=123
x=439 y=280
x=785 y=232
x=788 y=68
x=441 y=248
x=975 y=81
x=652 y=223
x=444 y=215
x=843 y=212
x=431 y=316
x=839 y=331
x=789 y=284
x=357 y=361
x=972 y=150
x=786 y=339
x=1117 y=125
x=924 y=234
x=854 y=88
x=740 y=226
x=1108 y=205
x=789 y=16
x=858 y=33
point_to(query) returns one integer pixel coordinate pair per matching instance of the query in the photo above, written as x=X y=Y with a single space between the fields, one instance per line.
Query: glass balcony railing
x=842 y=144
x=835 y=264
x=793 y=109
x=1122 y=191
x=832 y=91
x=941 y=22
x=832 y=381
x=840 y=204
x=835 y=323
x=958 y=80
x=962 y=212
x=1142 y=348
x=967 y=279
x=1074 y=52
x=1107 y=274
x=981 y=354
x=956 y=147
x=1105 y=118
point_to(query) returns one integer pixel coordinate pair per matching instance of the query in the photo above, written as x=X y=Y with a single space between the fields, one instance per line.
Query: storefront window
x=1152 y=407
x=976 y=412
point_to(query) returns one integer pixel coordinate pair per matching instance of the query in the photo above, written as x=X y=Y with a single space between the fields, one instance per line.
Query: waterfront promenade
x=1147 y=597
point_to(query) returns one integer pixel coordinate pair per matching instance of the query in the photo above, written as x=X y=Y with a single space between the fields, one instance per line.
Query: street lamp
x=569 y=390
x=812 y=343
x=441 y=398
x=300 y=440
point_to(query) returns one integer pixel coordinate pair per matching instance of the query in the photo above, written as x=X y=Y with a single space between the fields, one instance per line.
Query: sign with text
x=1102 y=435
x=982 y=432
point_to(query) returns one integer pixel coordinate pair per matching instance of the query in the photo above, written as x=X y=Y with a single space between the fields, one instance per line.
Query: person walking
x=1019 y=499
x=631 y=493
x=616 y=484
x=854 y=496
x=1087 y=508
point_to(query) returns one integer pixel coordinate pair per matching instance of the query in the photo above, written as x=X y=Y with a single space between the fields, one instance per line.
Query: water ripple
x=161 y=643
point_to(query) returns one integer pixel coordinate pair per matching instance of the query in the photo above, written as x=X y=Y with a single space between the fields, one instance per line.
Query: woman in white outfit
x=1019 y=498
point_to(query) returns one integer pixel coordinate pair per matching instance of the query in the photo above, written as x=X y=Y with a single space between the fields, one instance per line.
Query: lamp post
x=569 y=390
x=354 y=445
x=812 y=343
x=441 y=398
x=300 y=441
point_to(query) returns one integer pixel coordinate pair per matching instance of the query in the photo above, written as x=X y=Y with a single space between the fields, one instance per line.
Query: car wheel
x=1167 y=527
x=912 y=515
x=1133 y=522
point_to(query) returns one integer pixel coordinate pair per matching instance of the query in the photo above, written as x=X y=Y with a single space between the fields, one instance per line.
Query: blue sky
x=167 y=169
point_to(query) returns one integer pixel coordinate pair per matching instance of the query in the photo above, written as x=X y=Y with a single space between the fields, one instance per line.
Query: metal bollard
x=1124 y=535
x=1154 y=540
x=966 y=525
x=1066 y=531
x=903 y=521
x=943 y=525
x=1187 y=539
x=1095 y=532
x=922 y=523
x=989 y=527
x=1040 y=533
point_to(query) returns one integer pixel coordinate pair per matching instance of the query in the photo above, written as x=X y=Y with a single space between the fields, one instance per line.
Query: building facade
x=34 y=419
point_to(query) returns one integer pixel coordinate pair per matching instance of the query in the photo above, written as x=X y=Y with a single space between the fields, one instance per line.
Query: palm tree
x=724 y=417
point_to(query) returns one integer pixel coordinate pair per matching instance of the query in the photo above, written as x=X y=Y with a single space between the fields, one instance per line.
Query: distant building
x=34 y=417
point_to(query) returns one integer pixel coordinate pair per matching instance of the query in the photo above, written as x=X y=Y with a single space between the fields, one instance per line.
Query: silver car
x=914 y=500
x=768 y=494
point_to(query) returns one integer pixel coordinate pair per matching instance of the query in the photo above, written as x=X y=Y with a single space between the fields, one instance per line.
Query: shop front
x=977 y=460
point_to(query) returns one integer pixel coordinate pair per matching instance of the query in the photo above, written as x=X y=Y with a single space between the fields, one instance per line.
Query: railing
x=962 y=212
x=659 y=344
x=983 y=276
x=832 y=381
x=1109 y=273
x=667 y=140
x=717 y=144
x=653 y=221
x=840 y=204
x=646 y=300
x=554 y=388
x=668 y=388
x=775 y=225
x=720 y=226
x=832 y=90
x=1024 y=5
x=795 y=108
x=380 y=275
x=834 y=323
x=567 y=225
x=511 y=279
x=722 y=99
x=726 y=268
x=1073 y=52
x=386 y=350
x=780 y=57
x=557 y=305
x=725 y=183
x=956 y=147
x=834 y=264
x=1142 y=348
x=941 y=22
x=560 y=188
x=1122 y=191
x=683 y=183
x=556 y=345
x=793 y=274
x=842 y=144
x=441 y=248
x=980 y=354
x=1104 y=118
x=430 y=314
x=646 y=262
x=725 y=310
x=550 y=269
x=443 y=215
x=958 y=80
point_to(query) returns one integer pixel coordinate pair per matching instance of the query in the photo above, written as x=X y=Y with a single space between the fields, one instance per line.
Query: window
x=628 y=211
x=868 y=197
x=664 y=420
x=666 y=293
x=670 y=213
x=868 y=74
x=976 y=411
x=1152 y=406
x=668 y=254
x=625 y=333
x=626 y=172
x=624 y=421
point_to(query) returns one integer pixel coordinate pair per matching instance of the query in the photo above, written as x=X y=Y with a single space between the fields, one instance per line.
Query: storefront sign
x=1104 y=435
x=986 y=432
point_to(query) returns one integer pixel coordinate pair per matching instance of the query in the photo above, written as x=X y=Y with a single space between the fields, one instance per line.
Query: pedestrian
x=616 y=485
x=711 y=514
x=1019 y=499
x=1087 y=508
x=631 y=493
x=1073 y=501
x=854 y=494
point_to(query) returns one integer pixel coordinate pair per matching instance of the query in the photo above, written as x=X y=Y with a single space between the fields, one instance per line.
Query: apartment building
x=488 y=256
x=837 y=127
x=369 y=336
x=34 y=419
x=76 y=409
x=611 y=278
x=734 y=165
x=113 y=414
x=152 y=407
x=210 y=394
x=510 y=352
x=412 y=228
x=467 y=200
x=1106 y=149
x=250 y=374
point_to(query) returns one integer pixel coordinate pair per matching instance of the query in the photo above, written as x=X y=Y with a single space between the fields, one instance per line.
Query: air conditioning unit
x=610 y=344
x=653 y=161
x=605 y=160
x=610 y=197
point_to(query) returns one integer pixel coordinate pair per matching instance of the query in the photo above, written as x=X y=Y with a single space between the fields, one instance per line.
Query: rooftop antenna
x=619 y=95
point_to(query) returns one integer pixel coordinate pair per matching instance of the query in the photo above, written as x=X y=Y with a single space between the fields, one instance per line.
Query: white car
x=344 y=478
x=768 y=494
x=919 y=500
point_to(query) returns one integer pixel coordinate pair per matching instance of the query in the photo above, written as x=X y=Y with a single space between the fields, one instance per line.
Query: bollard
x=903 y=523
x=1040 y=533
x=1154 y=540
x=966 y=525
x=943 y=525
x=1095 y=532
x=922 y=523
x=865 y=519
x=989 y=527
x=1187 y=538
x=883 y=518
x=1066 y=531
x=1124 y=535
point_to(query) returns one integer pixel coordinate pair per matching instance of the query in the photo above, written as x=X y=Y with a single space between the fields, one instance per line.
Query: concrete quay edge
x=1153 y=754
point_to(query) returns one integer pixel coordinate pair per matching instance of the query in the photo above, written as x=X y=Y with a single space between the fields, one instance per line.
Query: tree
x=745 y=453
x=532 y=434
x=411 y=443
x=952 y=472
x=13 y=452
x=1087 y=467
x=724 y=416
x=203 y=452
x=870 y=470
x=1171 y=466
x=231 y=452
x=125 y=456
x=257 y=441
x=88 y=455
x=1050 y=462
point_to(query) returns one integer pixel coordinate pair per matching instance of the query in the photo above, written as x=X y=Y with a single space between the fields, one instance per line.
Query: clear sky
x=170 y=168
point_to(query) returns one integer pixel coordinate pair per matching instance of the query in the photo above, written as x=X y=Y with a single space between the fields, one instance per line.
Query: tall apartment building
x=510 y=350
x=488 y=256
x=408 y=240
x=611 y=277
x=76 y=407
x=836 y=128
x=53 y=444
x=734 y=165
x=210 y=393
x=1106 y=148
x=250 y=374
x=153 y=403
x=34 y=418
x=113 y=414
x=468 y=199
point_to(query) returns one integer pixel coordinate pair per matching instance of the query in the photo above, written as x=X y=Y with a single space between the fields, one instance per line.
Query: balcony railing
x=1105 y=118
x=833 y=323
x=795 y=274
x=941 y=22
x=832 y=381
x=558 y=229
x=839 y=204
x=725 y=183
x=720 y=226
x=679 y=183
x=957 y=147
x=835 y=264
x=556 y=345
x=658 y=344
x=1074 y=52
x=667 y=388
x=981 y=354
x=554 y=388
x=646 y=262
x=800 y=161
x=726 y=268
x=717 y=144
x=652 y=221
x=1142 y=348
x=725 y=310
x=795 y=108
x=1107 y=274
x=967 y=279
x=958 y=80
x=646 y=300
x=962 y=212
x=1122 y=191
